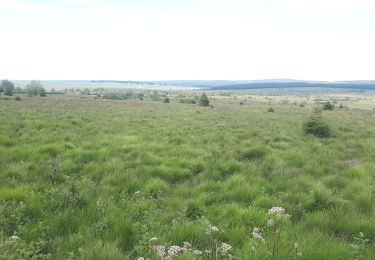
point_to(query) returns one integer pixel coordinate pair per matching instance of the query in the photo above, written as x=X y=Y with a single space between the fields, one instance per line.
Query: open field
x=85 y=178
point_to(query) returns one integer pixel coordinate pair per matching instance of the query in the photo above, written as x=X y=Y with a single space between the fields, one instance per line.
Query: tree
x=316 y=125
x=35 y=88
x=203 y=100
x=7 y=87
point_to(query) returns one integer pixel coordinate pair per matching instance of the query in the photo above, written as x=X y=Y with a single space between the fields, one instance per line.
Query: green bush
x=316 y=125
x=17 y=98
x=328 y=106
x=270 y=110
x=166 y=100
x=203 y=100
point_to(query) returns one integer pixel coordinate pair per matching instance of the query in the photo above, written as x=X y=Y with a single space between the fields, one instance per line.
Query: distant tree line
x=34 y=88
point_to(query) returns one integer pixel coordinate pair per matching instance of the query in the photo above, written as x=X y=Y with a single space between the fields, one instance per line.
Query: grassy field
x=104 y=179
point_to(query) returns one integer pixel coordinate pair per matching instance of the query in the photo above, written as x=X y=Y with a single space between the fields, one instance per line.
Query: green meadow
x=92 y=178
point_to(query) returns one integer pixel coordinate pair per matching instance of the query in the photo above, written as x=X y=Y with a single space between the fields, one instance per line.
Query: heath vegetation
x=88 y=175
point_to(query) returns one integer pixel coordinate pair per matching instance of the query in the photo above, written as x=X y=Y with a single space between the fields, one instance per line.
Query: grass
x=96 y=178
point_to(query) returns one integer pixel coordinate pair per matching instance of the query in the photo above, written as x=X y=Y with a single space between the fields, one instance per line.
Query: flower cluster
x=14 y=239
x=159 y=250
x=174 y=251
x=169 y=253
x=275 y=224
x=278 y=214
x=276 y=210
x=212 y=229
x=197 y=252
x=257 y=235
x=225 y=248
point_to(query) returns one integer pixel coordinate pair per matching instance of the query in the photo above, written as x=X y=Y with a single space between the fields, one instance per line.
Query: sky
x=187 y=39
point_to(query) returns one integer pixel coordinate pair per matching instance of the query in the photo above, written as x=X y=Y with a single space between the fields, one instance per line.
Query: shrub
x=17 y=98
x=203 y=100
x=270 y=110
x=316 y=125
x=328 y=106
x=166 y=100
x=341 y=106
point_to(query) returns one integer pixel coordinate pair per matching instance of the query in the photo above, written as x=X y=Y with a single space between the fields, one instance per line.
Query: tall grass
x=96 y=179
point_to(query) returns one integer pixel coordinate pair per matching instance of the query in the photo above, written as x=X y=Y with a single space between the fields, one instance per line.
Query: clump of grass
x=316 y=125
x=156 y=188
x=100 y=250
x=193 y=211
x=254 y=153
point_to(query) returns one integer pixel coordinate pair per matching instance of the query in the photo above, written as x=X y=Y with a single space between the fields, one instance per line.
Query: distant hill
x=236 y=84
x=359 y=85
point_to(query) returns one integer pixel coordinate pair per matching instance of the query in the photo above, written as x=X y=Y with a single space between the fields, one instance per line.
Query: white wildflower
x=225 y=248
x=257 y=235
x=270 y=223
x=197 y=252
x=276 y=211
x=187 y=246
x=14 y=238
x=174 y=250
x=153 y=239
x=159 y=250
x=141 y=258
x=212 y=228
x=299 y=254
x=207 y=251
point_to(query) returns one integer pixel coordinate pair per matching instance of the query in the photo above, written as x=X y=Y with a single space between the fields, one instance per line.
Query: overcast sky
x=187 y=39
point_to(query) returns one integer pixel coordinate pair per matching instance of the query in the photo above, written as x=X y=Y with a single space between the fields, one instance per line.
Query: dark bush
x=316 y=125
x=166 y=100
x=270 y=110
x=17 y=98
x=328 y=106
